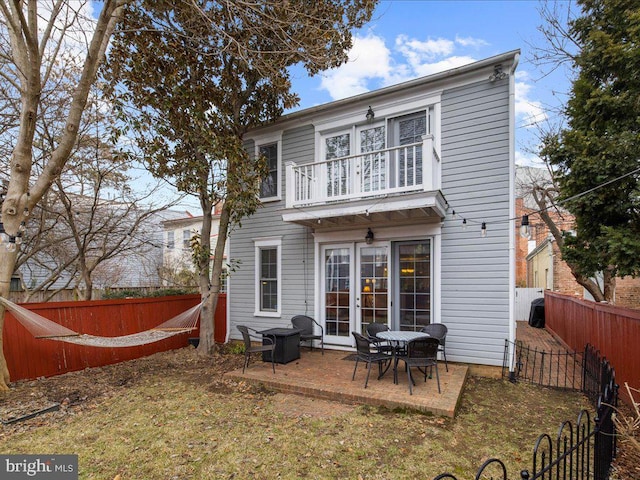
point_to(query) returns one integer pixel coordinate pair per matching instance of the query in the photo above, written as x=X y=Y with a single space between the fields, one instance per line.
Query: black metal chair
x=382 y=345
x=421 y=353
x=250 y=348
x=439 y=331
x=307 y=325
x=365 y=354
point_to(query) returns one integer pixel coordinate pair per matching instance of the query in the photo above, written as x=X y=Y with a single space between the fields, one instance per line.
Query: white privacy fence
x=524 y=297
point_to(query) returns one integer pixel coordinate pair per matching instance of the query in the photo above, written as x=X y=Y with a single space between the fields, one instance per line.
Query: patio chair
x=267 y=344
x=382 y=346
x=421 y=353
x=365 y=354
x=439 y=331
x=307 y=325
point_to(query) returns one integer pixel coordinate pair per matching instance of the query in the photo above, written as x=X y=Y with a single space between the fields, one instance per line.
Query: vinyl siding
x=475 y=182
x=475 y=168
x=296 y=251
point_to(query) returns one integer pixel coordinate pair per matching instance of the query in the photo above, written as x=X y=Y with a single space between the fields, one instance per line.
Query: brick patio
x=328 y=377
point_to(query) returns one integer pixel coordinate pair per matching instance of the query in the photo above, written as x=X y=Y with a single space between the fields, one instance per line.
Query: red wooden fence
x=615 y=331
x=28 y=357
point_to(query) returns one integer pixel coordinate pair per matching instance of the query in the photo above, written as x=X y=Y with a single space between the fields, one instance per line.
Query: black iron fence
x=561 y=369
x=583 y=450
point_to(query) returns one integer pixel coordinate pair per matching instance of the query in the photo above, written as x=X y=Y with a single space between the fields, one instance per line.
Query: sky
x=412 y=38
x=406 y=39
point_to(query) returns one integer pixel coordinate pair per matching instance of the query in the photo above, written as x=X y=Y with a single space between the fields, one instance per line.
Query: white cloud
x=442 y=65
x=417 y=52
x=368 y=59
x=529 y=112
x=471 y=42
x=526 y=159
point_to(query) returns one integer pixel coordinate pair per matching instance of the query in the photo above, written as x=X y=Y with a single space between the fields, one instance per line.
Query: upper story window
x=269 y=188
x=170 y=241
x=186 y=239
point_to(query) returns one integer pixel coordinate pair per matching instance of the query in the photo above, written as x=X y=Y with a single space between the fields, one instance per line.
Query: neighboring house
x=539 y=262
x=358 y=225
x=177 y=254
x=135 y=267
x=547 y=270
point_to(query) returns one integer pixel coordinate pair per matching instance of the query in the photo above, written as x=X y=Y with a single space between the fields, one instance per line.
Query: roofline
x=512 y=55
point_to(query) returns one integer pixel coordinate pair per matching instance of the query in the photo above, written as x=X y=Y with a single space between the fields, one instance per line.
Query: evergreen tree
x=601 y=143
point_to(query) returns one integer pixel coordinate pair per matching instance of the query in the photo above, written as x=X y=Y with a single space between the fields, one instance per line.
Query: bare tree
x=37 y=33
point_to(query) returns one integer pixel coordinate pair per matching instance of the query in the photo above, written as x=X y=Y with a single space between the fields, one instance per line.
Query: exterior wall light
x=369 y=237
x=370 y=115
x=524 y=227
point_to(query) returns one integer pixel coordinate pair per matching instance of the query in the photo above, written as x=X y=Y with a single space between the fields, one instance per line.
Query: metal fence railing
x=581 y=451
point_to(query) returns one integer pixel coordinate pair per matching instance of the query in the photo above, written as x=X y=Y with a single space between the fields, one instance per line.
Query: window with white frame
x=186 y=239
x=269 y=187
x=268 y=276
x=170 y=240
x=383 y=154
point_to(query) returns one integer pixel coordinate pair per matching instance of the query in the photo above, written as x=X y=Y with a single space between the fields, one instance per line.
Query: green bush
x=118 y=294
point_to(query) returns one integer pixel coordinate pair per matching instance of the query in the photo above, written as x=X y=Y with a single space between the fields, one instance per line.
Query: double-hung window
x=186 y=239
x=170 y=241
x=268 y=276
x=270 y=185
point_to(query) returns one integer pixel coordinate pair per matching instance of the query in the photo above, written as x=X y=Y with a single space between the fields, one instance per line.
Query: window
x=338 y=171
x=170 y=241
x=270 y=184
x=186 y=239
x=408 y=130
x=268 y=277
x=223 y=280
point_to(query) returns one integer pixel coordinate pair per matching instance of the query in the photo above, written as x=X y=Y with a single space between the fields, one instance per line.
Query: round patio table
x=398 y=338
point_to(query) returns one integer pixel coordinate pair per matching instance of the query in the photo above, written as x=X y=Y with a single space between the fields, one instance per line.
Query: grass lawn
x=173 y=416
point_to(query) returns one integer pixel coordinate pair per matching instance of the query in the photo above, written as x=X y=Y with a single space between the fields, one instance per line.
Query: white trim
x=512 y=177
x=394 y=107
x=267 y=242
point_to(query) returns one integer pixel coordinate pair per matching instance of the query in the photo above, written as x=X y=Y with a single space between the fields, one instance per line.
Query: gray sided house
x=357 y=223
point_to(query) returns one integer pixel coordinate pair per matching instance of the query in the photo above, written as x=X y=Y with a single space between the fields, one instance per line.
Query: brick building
x=539 y=262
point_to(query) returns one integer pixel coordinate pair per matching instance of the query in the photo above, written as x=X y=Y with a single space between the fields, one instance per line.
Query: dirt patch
x=299 y=406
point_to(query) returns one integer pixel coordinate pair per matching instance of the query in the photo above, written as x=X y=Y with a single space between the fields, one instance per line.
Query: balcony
x=403 y=181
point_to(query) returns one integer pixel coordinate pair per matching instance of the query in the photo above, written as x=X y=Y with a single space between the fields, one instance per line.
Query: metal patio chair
x=267 y=344
x=307 y=325
x=365 y=354
x=439 y=331
x=382 y=346
x=421 y=353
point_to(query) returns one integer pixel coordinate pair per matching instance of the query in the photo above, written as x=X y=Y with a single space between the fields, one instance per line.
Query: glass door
x=372 y=305
x=336 y=296
x=413 y=273
x=355 y=293
x=372 y=165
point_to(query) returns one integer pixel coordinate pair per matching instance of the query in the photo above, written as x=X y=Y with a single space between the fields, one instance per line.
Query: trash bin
x=536 y=315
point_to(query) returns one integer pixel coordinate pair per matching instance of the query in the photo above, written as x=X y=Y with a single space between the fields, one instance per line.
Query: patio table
x=287 y=342
x=399 y=338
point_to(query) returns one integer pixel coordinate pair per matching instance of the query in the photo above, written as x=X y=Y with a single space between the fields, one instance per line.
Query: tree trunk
x=207 y=343
x=26 y=54
x=540 y=195
x=207 y=323
x=7 y=263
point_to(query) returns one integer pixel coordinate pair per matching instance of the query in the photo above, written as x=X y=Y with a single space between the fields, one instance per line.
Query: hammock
x=41 y=327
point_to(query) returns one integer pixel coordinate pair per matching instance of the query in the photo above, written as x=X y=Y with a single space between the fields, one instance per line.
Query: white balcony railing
x=408 y=168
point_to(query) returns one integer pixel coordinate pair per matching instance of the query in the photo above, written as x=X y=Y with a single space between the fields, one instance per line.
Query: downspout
x=512 y=230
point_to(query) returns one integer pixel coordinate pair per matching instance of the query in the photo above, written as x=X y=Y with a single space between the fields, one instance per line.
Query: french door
x=355 y=289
